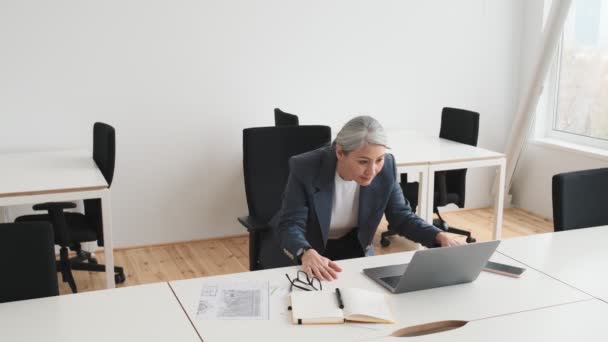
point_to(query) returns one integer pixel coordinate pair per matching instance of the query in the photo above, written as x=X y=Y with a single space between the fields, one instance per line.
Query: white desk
x=426 y=155
x=577 y=257
x=489 y=295
x=29 y=178
x=540 y=306
x=580 y=321
x=137 y=313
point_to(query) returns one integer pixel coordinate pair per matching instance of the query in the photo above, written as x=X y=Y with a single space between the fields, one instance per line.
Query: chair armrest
x=253 y=224
x=58 y=219
x=54 y=205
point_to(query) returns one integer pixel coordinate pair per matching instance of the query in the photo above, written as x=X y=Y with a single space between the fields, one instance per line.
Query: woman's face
x=362 y=164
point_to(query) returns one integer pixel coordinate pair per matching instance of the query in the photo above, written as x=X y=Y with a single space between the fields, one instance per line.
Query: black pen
x=340 y=304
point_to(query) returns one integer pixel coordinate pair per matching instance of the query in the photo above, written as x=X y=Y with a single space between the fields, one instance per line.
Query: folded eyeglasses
x=304 y=282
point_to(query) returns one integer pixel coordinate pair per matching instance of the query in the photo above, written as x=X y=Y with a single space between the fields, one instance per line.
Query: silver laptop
x=435 y=267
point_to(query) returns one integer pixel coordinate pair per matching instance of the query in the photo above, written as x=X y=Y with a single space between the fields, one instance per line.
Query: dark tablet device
x=508 y=270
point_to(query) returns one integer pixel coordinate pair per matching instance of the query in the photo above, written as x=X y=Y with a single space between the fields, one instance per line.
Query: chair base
x=444 y=226
x=384 y=241
x=83 y=261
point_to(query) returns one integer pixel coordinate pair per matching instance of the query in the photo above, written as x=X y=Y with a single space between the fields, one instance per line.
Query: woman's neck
x=340 y=171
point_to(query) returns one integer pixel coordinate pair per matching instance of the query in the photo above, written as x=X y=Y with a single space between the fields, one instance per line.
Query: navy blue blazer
x=305 y=214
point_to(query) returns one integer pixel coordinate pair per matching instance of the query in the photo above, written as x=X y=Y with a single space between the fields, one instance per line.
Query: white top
x=577 y=257
x=490 y=295
x=48 y=172
x=412 y=148
x=137 y=313
x=580 y=321
x=345 y=207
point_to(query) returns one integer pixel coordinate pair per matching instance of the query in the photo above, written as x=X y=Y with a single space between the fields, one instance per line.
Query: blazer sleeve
x=293 y=216
x=403 y=220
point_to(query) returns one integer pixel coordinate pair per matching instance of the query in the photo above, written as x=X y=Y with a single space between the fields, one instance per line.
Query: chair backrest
x=462 y=126
x=579 y=199
x=104 y=149
x=285 y=119
x=104 y=154
x=266 y=153
x=32 y=274
x=459 y=125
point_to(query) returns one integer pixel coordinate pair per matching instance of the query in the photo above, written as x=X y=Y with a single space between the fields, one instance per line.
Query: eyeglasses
x=303 y=282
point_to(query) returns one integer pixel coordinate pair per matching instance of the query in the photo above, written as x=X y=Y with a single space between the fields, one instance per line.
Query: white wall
x=532 y=184
x=532 y=180
x=180 y=79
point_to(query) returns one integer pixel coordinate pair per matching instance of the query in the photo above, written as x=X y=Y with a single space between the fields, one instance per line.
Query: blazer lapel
x=366 y=205
x=324 y=191
x=370 y=199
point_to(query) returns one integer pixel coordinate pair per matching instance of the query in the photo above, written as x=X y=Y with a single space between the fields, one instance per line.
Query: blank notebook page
x=364 y=303
x=315 y=307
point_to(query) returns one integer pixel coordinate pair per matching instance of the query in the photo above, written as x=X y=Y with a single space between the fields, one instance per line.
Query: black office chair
x=579 y=199
x=266 y=153
x=72 y=229
x=27 y=275
x=285 y=119
x=457 y=125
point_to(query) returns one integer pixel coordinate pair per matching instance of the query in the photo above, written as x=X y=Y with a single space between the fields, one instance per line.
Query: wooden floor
x=221 y=256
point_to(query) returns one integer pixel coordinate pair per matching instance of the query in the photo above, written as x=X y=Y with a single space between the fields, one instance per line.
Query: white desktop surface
x=416 y=153
x=413 y=148
x=34 y=172
x=578 y=257
x=580 y=321
x=138 y=313
x=58 y=176
x=489 y=295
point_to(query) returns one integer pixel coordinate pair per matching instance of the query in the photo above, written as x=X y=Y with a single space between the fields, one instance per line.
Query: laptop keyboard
x=392 y=280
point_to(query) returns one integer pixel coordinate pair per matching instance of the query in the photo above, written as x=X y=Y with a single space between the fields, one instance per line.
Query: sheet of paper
x=279 y=291
x=234 y=300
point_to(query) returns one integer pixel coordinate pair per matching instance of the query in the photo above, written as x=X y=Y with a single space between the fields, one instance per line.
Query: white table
x=137 y=313
x=554 y=304
x=426 y=155
x=37 y=177
x=580 y=321
x=490 y=295
x=577 y=257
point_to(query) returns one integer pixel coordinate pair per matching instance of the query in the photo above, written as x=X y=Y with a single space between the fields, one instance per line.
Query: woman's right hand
x=319 y=266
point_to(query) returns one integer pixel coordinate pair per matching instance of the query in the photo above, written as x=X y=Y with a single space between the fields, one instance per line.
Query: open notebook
x=323 y=307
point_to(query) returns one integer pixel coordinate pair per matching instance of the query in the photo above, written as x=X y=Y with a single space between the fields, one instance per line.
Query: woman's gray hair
x=360 y=131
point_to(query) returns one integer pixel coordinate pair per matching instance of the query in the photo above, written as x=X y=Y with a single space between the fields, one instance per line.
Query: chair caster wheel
x=119 y=278
x=384 y=242
x=471 y=240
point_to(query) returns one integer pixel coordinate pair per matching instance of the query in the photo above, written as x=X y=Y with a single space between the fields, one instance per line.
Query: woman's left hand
x=446 y=241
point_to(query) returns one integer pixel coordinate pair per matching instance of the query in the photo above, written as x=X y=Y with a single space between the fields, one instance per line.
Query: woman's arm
x=402 y=219
x=400 y=216
x=293 y=216
x=292 y=225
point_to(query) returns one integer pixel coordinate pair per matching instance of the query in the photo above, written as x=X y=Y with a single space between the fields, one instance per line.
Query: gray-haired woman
x=335 y=198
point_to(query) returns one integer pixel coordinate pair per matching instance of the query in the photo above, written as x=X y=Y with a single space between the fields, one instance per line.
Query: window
x=578 y=111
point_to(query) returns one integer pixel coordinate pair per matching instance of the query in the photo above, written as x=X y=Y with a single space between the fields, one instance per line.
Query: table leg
x=106 y=210
x=499 y=201
x=4 y=214
x=422 y=195
x=430 y=194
